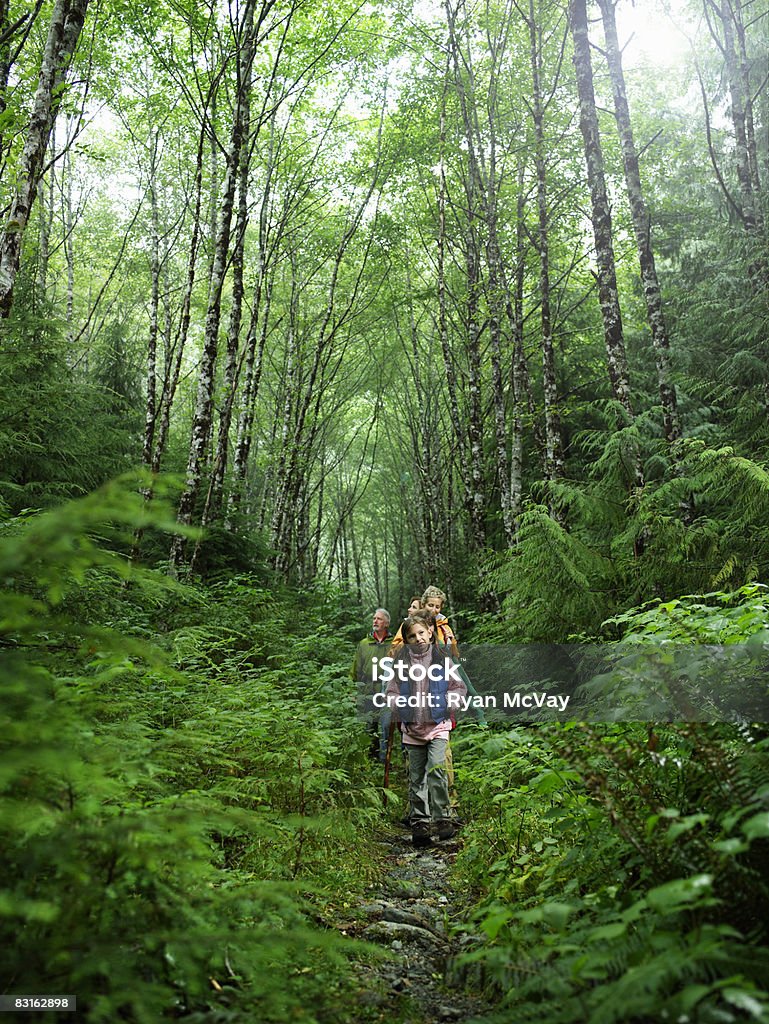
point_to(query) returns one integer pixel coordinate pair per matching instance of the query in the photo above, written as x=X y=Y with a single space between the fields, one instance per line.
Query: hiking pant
x=453 y=796
x=428 y=781
x=384 y=730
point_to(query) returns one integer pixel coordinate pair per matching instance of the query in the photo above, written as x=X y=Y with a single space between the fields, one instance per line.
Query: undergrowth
x=183 y=786
x=620 y=871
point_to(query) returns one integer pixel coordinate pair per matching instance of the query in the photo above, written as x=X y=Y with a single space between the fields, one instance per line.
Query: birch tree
x=537 y=109
x=608 y=292
x=493 y=171
x=202 y=418
x=469 y=219
x=730 y=40
x=64 y=31
x=641 y=225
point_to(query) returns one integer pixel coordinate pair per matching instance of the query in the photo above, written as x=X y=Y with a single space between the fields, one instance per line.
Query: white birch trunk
x=232 y=362
x=150 y=417
x=553 y=442
x=739 y=103
x=63 y=33
x=201 y=425
x=641 y=226
x=608 y=293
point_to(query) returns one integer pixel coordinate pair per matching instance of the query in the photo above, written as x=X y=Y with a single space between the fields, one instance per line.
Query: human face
x=434 y=605
x=419 y=633
x=415 y=605
x=379 y=623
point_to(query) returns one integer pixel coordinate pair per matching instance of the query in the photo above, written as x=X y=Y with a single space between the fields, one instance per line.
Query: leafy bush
x=620 y=871
x=698 y=523
x=169 y=783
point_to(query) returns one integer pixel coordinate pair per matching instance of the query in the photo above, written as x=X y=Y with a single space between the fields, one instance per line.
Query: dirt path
x=412 y=914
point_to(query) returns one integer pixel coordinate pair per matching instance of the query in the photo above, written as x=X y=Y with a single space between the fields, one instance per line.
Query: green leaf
x=607 y=932
x=750 y=1002
x=681 y=892
x=757 y=827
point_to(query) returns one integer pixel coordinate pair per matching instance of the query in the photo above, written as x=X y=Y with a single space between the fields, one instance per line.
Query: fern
x=157 y=812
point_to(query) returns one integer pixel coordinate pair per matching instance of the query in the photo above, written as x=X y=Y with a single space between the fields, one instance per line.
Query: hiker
x=431 y=608
x=423 y=673
x=432 y=600
x=415 y=605
x=375 y=645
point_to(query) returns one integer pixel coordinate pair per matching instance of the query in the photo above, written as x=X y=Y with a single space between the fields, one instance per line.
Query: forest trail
x=412 y=912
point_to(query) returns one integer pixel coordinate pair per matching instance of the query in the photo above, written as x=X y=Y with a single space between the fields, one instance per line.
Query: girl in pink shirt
x=419 y=696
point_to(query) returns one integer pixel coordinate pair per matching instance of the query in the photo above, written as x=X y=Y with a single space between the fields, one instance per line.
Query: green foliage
x=183 y=783
x=620 y=871
x=547 y=552
x=716 y=618
x=602 y=546
x=62 y=432
x=170 y=790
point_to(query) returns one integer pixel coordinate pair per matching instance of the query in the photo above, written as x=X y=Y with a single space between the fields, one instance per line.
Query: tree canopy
x=307 y=306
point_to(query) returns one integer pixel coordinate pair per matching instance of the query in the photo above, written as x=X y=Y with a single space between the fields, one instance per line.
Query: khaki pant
x=453 y=798
x=428 y=781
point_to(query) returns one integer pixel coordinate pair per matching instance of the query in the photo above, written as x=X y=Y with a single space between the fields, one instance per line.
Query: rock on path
x=411 y=917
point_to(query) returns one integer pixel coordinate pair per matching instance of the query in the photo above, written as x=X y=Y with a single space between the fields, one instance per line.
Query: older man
x=375 y=645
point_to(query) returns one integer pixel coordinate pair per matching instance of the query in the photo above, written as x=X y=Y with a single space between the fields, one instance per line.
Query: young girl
x=431 y=601
x=422 y=673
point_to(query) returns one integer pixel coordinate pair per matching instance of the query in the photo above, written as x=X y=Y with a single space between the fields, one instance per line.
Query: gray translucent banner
x=592 y=682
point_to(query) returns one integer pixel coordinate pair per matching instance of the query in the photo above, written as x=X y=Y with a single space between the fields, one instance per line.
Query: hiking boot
x=446 y=828
x=420 y=833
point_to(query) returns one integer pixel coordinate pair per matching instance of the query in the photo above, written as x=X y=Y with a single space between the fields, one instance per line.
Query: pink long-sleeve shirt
x=424 y=728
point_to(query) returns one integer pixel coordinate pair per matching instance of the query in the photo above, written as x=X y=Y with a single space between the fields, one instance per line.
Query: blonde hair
x=433 y=592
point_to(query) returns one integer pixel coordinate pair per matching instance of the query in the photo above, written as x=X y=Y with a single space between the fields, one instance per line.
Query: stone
x=386 y=931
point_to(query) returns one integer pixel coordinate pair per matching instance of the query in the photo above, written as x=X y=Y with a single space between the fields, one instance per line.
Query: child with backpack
x=433 y=601
x=418 y=695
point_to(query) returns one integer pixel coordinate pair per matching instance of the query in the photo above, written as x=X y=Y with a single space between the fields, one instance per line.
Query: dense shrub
x=173 y=787
x=620 y=871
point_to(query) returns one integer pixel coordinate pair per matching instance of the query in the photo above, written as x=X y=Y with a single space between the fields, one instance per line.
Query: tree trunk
x=47 y=216
x=553 y=441
x=641 y=226
x=519 y=371
x=201 y=425
x=5 y=72
x=750 y=130
x=174 y=363
x=257 y=329
x=356 y=560
x=608 y=294
x=740 y=102
x=279 y=513
x=443 y=321
x=496 y=300
x=63 y=33
x=232 y=363
x=318 y=531
x=150 y=417
x=69 y=250
x=475 y=496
